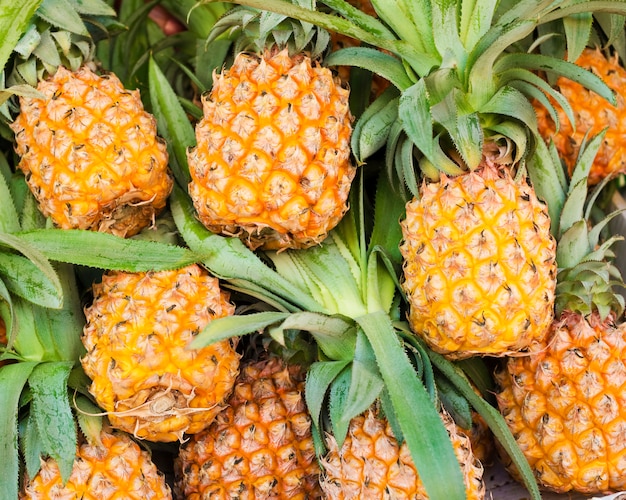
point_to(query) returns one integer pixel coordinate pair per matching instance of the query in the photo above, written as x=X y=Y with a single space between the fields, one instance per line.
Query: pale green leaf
x=93 y=7
x=235 y=326
x=373 y=133
x=106 y=251
x=60 y=14
x=338 y=396
x=573 y=245
x=476 y=19
x=577 y=30
x=415 y=113
x=15 y=18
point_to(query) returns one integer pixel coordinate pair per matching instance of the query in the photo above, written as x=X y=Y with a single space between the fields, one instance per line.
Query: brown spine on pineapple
x=259 y=447
x=372 y=466
x=272 y=161
x=137 y=336
x=479 y=264
x=592 y=114
x=114 y=468
x=565 y=404
x=91 y=154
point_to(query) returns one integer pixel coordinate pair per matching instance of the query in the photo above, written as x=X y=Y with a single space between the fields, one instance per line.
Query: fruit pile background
x=296 y=249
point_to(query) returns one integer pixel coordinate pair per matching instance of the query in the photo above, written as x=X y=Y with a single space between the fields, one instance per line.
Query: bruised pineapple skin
x=259 y=447
x=565 y=405
x=592 y=114
x=479 y=264
x=114 y=468
x=272 y=161
x=91 y=154
x=371 y=466
x=137 y=336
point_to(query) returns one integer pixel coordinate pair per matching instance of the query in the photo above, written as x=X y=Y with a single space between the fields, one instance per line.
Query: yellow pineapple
x=260 y=446
x=112 y=467
x=592 y=114
x=480 y=269
x=372 y=465
x=272 y=161
x=90 y=153
x=563 y=402
x=144 y=375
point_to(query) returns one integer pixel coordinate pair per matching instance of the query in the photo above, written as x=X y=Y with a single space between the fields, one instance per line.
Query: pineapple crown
x=460 y=79
x=59 y=36
x=258 y=30
x=587 y=279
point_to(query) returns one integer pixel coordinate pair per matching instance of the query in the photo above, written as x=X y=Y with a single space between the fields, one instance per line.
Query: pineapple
x=592 y=114
x=91 y=154
x=479 y=264
x=260 y=446
x=113 y=466
x=272 y=160
x=563 y=402
x=137 y=335
x=371 y=464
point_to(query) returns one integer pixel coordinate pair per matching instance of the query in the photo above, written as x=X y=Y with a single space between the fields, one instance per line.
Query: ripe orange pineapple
x=592 y=114
x=90 y=153
x=144 y=375
x=564 y=401
x=371 y=464
x=260 y=446
x=112 y=467
x=272 y=160
x=479 y=270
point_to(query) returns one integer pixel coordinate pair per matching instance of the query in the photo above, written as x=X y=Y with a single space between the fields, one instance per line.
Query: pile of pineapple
x=288 y=249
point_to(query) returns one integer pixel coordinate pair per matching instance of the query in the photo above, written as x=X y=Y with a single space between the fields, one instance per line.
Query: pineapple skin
x=479 y=264
x=565 y=401
x=272 y=160
x=592 y=114
x=372 y=466
x=137 y=336
x=114 y=468
x=259 y=447
x=91 y=154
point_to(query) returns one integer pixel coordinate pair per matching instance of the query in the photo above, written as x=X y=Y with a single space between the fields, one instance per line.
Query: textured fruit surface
x=137 y=337
x=116 y=468
x=91 y=155
x=371 y=466
x=565 y=404
x=259 y=447
x=479 y=264
x=592 y=114
x=272 y=161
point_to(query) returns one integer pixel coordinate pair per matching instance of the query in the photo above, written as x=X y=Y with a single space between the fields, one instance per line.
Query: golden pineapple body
x=91 y=155
x=372 y=466
x=479 y=264
x=565 y=405
x=259 y=447
x=272 y=161
x=143 y=372
x=592 y=114
x=114 y=468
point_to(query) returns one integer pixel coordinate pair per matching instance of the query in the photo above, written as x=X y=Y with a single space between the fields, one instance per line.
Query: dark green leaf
x=52 y=413
x=172 y=121
x=442 y=478
x=12 y=380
